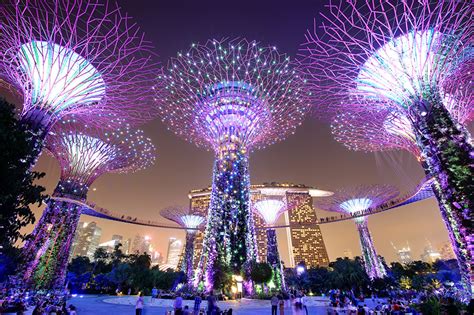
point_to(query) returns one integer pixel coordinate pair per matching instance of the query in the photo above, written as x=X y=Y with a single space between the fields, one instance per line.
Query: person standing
x=139 y=305
x=274 y=302
x=211 y=304
x=197 y=304
x=304 y=302
x=282 y=305
x=178 y=304
x=154 y=294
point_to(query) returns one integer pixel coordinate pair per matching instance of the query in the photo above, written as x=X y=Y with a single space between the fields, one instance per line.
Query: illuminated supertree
x=80 y=57
x=231 y=96
x=270 y=210
x=410 y=59
x=83 y=157
x=185 y=218
x=354 y=201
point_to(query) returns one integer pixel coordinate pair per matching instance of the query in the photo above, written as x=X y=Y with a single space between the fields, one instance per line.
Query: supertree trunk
x=36 y=125
x=273 y=258
x=47 y=253
x=229 y=237
x=188 y=256
x=373 y=265
x=449 y=158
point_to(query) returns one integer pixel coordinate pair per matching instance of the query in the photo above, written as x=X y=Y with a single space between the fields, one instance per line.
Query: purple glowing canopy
x=386 y=130
x=82 y=57
x=84 y=152
x=184 y=217
x=368 y=55
x=358 y=198
x=232 y=91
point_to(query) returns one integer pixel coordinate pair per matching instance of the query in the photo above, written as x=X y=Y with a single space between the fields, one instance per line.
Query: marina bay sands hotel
x=304 y=242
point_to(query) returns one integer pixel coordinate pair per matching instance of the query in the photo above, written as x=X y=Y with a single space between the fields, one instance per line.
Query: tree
x=101 y=258
x=348 y=274
x=17 y=188
x=222 y=276
x=80 y=265
x=120 y=274
x=140 y=260
x=117 y=255
x=261 y=272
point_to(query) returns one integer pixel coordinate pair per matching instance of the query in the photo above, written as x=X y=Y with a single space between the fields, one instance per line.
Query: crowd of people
x=397 y=303
x=19 y=301
x=297 y=301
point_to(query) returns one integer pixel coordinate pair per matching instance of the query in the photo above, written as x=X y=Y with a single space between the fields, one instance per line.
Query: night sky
x=309 y=157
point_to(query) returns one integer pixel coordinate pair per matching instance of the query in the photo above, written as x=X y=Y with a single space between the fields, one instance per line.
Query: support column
x=230 y=237
x=47 y=253
x=273 y=258
x=448 y=157
x=373 y=265
x=187 y=266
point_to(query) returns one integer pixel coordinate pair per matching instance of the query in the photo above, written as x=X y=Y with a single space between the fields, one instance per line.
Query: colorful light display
x=83 y=156
x=270 y=210
x=356 y=200
x=412 y=60
x=80 y=57
x=190 y=221
x=232 y=96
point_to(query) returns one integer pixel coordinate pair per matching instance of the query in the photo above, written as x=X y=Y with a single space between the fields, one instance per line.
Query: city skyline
x=310 y=156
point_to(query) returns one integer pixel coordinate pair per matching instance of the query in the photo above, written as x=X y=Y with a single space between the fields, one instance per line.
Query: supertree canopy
x=354 y=201
x=83 y=156
x=270 y=210
x=231 y=96
x=412 y=60
x=386 y=130
x=80 y=57
x=185 y=218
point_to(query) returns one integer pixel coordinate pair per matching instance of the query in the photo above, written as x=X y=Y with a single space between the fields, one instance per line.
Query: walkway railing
x=421 y=192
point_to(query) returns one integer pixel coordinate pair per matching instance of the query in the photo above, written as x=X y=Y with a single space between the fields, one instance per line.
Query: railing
x=421 y=192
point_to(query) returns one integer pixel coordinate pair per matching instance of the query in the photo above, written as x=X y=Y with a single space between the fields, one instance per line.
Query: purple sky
x=309 y=157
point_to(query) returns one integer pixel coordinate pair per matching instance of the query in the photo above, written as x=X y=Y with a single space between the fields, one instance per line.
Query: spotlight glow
x=359 y=198
x=357 y=204
x=59 y=77
x=192 y=221
x=85 y=153
x=397 y=70
x=270 y=210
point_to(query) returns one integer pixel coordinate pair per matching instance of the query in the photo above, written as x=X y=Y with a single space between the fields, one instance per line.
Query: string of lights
x=413 y=61
x=361 y=198
x=231 y=96
x=83 y=157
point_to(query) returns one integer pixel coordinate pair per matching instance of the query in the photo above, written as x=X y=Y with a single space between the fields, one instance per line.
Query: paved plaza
x=110 y=305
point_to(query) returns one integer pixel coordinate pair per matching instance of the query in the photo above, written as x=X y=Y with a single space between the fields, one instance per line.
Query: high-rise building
x=109 y=246
x=199 y=203
x=141 y=244
x=87 y=239
x=446 y=251
x=117 y=238
x=348 y=253
x=430 y=255
x=404 y=254
x=175 y=247
x=304 y=241
x=126 y=246
x=156 y=258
